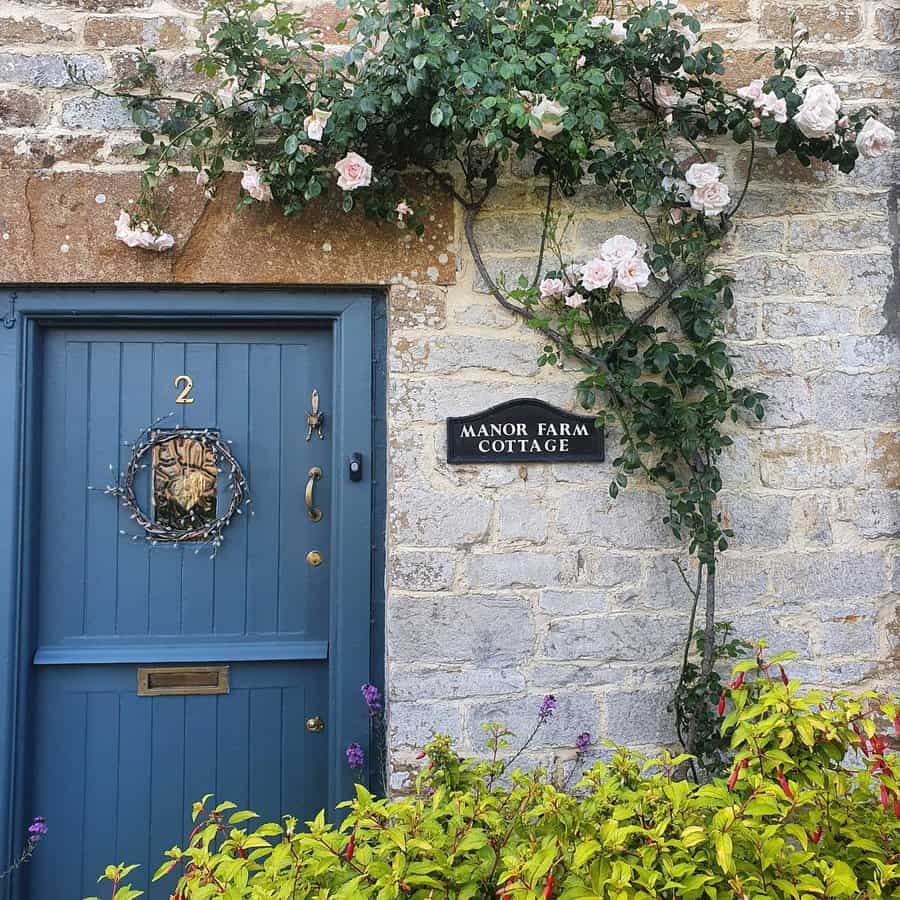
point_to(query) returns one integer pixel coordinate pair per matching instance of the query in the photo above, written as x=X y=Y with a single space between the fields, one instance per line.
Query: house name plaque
x=524 y=430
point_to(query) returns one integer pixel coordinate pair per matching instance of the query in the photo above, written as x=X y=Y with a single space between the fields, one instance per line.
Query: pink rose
x=553 y=289
x=632 y=274
x=665 y=96
x=773 y=106
x=752 y=91
x=619 y=248
x=253 y=184
x=874 y=138
x=403 y=209
x=712 y=199
x=143 y=236
x=597 y=274
x=702 y=174
x=575 y=300
x=353 y=172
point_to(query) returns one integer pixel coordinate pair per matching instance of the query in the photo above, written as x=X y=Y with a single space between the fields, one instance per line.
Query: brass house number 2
x=186 y=384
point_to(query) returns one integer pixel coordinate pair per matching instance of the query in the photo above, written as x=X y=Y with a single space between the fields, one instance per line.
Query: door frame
x=355 y=629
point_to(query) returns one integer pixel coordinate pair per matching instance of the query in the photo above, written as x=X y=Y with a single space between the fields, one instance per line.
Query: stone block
x=418 y=515
x=633 y=520
x=508 y=234
x=790 y=320
x=789 y=401
x=640 y=718
x=412 y=725
x=878 y=514
x=871 y=350
x=484 y=631
x=802 y=461
x=803 y=578
x=454 y=684
x=827 y=233
x=573 y=602
x=751 y=359
x=523 y=518
x=161 y=32
x=883 y=466
x=765 y=276
x=757 y=521
x=421 y=570
x=848 y=634
x=848 y=401
x=32 y=30
x=96 y=114
x=521 y=568
x=417 y=306
x=443 y=354
x=22 y=109
x=48 y=70
x=603 y=569
x=834 y=22
x=622 y=638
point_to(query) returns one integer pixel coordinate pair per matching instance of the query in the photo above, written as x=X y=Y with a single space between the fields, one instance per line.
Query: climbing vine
x=633 y=101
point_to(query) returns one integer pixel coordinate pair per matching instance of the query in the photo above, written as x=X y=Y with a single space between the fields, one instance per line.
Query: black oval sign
x=526 y=430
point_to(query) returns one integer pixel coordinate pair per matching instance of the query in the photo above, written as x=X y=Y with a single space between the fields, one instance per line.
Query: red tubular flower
x=784 y=785
x=242 y=853
x=816 y=836
x=784 y=678
x=734 y=777
x=884 y=797
x=351 y=844
x=897 y=807
x=720 y=709
x=548 y=887
x=878 y=744
x=737 y=681
x=897 y=723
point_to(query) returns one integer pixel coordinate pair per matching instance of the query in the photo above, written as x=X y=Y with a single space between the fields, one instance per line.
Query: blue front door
x=115 y=764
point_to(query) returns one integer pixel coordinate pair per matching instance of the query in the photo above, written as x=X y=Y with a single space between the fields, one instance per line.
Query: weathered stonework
x=508 y=582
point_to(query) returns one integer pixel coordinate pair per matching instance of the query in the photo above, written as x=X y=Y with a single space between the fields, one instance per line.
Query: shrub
x=811 y=809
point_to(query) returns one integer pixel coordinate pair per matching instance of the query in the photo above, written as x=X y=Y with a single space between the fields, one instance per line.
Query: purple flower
x=582 y=742
x=356 y=759
x=37 y=829
x=372 y=699
x=548 y=704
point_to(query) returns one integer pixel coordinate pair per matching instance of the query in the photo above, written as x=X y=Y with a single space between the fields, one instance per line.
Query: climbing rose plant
x=633 y=101
x=811 y=809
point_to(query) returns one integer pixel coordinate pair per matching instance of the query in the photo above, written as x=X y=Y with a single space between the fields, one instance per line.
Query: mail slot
x=180 y=680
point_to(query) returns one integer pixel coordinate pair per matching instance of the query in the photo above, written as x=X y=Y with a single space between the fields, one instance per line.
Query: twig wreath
x=204 y=532
x=632 y=101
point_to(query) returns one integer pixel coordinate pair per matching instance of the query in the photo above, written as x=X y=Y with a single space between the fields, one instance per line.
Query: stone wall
x=508 y=582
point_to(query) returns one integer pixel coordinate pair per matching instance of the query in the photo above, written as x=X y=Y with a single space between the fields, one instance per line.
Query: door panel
x=116 y=772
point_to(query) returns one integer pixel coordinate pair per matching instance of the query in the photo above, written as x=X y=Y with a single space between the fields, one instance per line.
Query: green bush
x=811 y=810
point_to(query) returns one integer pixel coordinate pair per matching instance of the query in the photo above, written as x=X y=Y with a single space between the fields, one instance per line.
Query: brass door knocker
x=315 y=421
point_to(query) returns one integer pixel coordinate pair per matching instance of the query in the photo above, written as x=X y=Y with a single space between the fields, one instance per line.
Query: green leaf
x=437 y=116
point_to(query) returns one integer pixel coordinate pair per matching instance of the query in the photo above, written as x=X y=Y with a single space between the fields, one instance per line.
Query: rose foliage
x=811 y=810
x=634 y=103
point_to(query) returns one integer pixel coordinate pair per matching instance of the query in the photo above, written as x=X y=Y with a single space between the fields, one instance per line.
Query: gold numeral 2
x=184 y=396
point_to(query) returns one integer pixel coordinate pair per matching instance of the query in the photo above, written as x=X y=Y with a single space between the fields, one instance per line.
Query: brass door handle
x=315 y=725
x=314 y=515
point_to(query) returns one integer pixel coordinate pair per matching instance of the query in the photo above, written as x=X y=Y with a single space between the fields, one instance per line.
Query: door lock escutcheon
x=314 y=558
x=315 y=724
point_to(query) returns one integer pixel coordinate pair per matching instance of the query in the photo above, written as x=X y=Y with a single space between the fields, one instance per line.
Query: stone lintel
x=59 y=228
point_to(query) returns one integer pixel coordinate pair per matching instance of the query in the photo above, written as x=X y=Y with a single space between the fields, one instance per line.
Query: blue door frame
x=357 y=534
